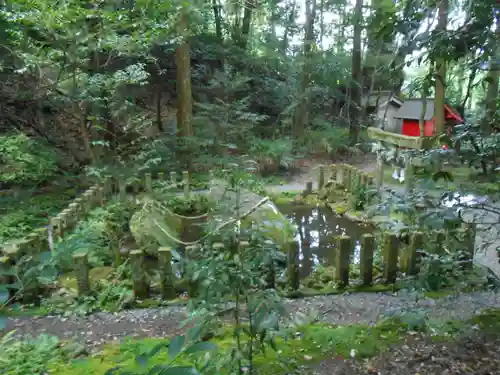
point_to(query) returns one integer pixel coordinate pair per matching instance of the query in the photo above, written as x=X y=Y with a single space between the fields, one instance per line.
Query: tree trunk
x=183 y=66
x=492 y=79
x=247 y=21
x=302 y=112
x=356 y=85
x=291 y=20
x=218 y=30
x=440 y=69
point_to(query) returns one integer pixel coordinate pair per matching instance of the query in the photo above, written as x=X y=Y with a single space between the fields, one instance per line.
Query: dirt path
x=100 y=328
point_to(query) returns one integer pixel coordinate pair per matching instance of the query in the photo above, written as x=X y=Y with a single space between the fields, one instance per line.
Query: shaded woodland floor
x=474 y=353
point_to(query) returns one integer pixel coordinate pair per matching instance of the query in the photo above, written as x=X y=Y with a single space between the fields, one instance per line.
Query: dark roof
x=412 y=109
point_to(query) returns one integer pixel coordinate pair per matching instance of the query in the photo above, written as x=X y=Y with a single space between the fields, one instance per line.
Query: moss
x=303 y=344
x=339 y=208
x=68 y=281
x=488 y=320
x=329 y=290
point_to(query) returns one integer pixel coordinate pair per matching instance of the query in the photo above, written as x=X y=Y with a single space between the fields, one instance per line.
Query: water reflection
x=317 y=231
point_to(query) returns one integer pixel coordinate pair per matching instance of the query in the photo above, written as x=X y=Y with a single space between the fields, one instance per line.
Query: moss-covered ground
x=305 y=344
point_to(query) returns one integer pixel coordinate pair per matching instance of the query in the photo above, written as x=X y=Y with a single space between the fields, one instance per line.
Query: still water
x=317 y=229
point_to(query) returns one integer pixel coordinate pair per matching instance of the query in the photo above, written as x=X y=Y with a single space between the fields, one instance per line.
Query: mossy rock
x=68 y=280
x=152 y=228
x=339 y=208
x=266 y=218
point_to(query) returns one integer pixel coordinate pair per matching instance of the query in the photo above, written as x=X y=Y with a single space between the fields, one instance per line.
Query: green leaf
x=175 y=346
x=142 y=360
x=180 y=370
x=202 y=346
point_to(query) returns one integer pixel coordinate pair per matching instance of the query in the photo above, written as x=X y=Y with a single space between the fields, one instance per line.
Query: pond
x=318 y=229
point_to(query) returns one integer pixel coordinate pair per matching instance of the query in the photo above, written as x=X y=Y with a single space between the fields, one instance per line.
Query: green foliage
x=25 y=161
x=101 y=234
x=112 y=293
x=28 y=357
x=19 y=215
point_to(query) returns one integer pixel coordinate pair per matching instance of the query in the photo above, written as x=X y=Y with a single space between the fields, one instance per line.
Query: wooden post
x=173 y=177
x=379 y=176
x=80 y=260
x=390 y=258
x=343 y=253
x=141 y=289
x=166 y=273
x=185 y=183
x=321 y=178
x=363 y=180
x=366 y=258
x=148 y=183
x=409 y=177
x=293 y=265
x=416 y=242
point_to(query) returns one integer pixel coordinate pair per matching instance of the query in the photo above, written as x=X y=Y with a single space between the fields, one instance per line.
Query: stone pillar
x=390 y=258
x=185 y=183
x=141 y=288
x=309 y=188
x=379 y=176
x=122 y=186
x=166 y=273
x=366 y=258
x=55 y=224
x=293 y=274
x=411 y=262
x=148 y=183
x=342 y=253
x=173 y=178
x=409 y=177
x=321 y=177
x=80 y=261
x=161 y=176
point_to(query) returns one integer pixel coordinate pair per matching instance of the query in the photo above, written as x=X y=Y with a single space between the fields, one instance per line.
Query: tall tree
x=183 y=65
x=356 y=84
x=492 y=79
x=302 y=112
x=440 y=71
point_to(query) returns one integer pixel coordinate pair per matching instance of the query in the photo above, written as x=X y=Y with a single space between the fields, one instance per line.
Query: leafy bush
x=24 y=160
x=325 y=138
x=28 y=357
x=271 y=154
x=18 y=216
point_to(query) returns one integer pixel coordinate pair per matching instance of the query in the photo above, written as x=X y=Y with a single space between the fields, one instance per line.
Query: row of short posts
x=344 y=175
x=409 y=169
x=140 y=284
x=350 y=177
x=147 y=184
x=68 y=218
x=396 y=258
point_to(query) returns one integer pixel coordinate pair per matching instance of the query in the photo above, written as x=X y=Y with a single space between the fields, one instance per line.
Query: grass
x=303 y=344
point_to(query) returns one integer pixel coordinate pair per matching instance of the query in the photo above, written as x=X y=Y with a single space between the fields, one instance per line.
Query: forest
x=249 y=187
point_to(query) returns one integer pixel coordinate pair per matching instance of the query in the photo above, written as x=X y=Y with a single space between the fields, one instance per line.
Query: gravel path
x=100 y=328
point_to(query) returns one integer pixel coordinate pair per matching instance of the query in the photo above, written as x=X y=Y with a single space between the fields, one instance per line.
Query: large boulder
x=266 y=218
x=153 y=227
